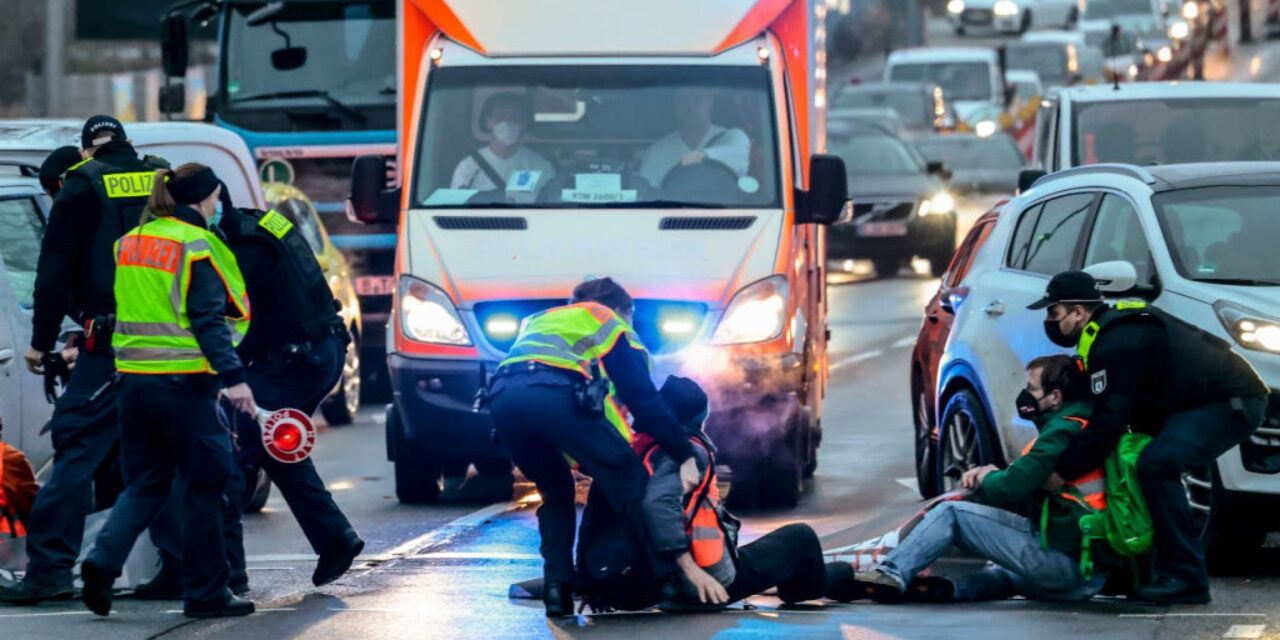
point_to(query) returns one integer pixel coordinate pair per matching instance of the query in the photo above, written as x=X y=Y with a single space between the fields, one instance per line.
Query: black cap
x=99 y=130
x=1069 y=286
x=58 y=162
x=687 y=401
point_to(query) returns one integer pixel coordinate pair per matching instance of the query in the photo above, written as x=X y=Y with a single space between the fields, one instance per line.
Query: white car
x=1026 y=86
x=972 y=78
x=1175 y=235
x=1012 y=16
x=1149 y=19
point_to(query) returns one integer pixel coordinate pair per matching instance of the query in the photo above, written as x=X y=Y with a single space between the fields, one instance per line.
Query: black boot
x=97 y=588
x=229 y=608
x=1165 y=590
x=167 y=585
x=558 y=598
x=33 y=590
x=335 y=560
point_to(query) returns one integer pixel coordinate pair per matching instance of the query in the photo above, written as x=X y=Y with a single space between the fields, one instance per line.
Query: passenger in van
x=505 y=117
x=696 y=140
x=1033 y=556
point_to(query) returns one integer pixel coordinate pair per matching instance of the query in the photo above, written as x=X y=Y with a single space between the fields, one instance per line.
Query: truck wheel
x=782 y=473
x=417 y=475
x=811 y=444
x=341 y=407
x=965 y=439
x=257 y=492
x=886 y=267
x=926 y=440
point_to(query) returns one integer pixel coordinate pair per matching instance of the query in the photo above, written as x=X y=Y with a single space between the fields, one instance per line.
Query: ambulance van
x=673 y=145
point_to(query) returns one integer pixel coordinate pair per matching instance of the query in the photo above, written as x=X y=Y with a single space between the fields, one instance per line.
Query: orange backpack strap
x=1084 y=424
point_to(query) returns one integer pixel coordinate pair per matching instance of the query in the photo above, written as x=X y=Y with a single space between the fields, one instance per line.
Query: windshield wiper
x=1247 y=282
x=307 y=93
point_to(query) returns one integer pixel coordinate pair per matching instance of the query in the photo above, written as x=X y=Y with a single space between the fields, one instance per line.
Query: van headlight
x=1006 y=8
x=1250 y=329
x=428 y=315
x=757 y=313
x=955 y=6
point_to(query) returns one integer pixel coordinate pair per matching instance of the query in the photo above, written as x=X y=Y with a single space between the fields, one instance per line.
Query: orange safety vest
x=708 y=546
x=9 y=524
x=1089 y=489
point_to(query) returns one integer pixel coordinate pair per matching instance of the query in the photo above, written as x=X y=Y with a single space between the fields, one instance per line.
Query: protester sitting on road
x=1036 y=556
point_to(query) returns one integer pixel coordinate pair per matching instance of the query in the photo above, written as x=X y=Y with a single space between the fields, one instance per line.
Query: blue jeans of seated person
x=1020 y=564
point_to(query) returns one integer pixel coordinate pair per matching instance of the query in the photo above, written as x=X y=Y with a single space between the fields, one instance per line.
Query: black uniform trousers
x=169 y=429
x=1189 y=441
x=85 y=432
x=789 y=558
x=538 y=421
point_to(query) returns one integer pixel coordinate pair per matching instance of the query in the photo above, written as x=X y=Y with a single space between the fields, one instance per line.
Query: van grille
x=735 y=223
x=476 y=223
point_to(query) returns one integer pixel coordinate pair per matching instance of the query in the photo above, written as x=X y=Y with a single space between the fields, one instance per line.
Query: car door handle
x=995 y=308
x=6 y=355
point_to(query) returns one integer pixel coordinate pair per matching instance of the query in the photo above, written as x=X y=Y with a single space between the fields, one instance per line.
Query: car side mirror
x=951 y=299
x=172 y=98
x=174 y=44
x=288 y=58
x=371 y=201
x=1115 y=277
x=938 y=168
x=1027 y=178
x=827 y=200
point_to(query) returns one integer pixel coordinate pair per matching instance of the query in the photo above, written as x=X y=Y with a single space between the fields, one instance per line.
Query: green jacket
x=1017 y=488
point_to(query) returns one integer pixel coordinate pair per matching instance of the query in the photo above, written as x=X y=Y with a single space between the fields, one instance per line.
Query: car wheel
x=964 y=439
x=257 y=492
x=1026 y=23
x=417 y=475
x=886 y=267
x=342 y=406
x=926 y=440
x=938 y=265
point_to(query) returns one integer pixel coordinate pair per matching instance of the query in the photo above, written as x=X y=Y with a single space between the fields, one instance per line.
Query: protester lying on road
x=1036 y=555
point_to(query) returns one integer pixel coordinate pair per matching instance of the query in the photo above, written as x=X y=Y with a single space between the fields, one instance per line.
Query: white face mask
x=507 y=133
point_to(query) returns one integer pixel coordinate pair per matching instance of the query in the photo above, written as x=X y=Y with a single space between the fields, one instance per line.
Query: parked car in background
x=979 y=166
x=922 y=107
x=842 y=123
x=939 y=314
x=342 y=404
x=1012 y=16
x=901 y=208
x=1197 y=241
x=972 y=78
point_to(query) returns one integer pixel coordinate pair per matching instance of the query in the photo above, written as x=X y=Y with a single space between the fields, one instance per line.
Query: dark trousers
x=168 y=428
x=789 y=558
x=296 y=382
x=537 y=420
x=85 y=432
x=1190 y=440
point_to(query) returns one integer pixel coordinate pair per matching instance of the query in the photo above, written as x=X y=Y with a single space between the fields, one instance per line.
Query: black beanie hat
x=193 y=188
x=58 y=162
x=687 y=401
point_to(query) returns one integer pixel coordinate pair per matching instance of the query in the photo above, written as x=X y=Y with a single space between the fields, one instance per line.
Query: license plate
x=375 y=285
x=882 y=229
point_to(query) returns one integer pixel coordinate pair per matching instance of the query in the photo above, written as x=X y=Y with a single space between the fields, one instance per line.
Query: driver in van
x=506 y=117
x=696 y=140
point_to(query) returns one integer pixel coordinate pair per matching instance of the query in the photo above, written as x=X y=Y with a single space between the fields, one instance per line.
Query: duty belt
x=530 y=366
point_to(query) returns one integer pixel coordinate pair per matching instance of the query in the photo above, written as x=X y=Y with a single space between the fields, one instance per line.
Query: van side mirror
x=174 y=44
x=827 y=200
x=1027 y=178
x=371 y=201
x=172 y=98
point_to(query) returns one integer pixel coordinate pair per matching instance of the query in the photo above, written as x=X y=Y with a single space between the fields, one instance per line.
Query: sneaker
x=881 y=578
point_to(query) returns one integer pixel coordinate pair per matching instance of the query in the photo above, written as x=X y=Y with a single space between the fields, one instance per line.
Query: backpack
x=1126 y=523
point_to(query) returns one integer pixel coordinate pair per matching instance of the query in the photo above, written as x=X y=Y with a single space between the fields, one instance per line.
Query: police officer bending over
x=294 y=352
x=100 y=198
x=557 y=394
x=1155 y=374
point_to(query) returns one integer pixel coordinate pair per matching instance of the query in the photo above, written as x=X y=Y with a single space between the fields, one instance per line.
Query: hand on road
x=710 y=591
x=1054 y=483
x=972 y=479
x=693 y=157
x=242 y=398
x=35 y=361
x=689 y=475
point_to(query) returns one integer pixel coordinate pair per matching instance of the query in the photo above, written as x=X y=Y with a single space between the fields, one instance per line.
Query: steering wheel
x=709 y=181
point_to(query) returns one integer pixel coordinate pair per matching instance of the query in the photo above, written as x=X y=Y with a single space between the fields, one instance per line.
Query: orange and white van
x=666 y=144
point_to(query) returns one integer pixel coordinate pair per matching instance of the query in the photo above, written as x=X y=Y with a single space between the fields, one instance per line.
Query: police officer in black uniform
x=1155 y=374
x=100 y=199
x=295 y=350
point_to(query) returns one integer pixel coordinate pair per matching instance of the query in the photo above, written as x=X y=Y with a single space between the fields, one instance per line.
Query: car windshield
x=1124 y=44
x=1223 y=234
x=335 y=55
x=623 y=136
x=871 y=155
x=1107 y=9
x=961 y=153
x=909 y=104
x=1049 y=60
x=1170 y=131
x=959 y=80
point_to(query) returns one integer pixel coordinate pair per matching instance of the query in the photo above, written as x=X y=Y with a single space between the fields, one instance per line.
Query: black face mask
x=1053 y=331
x=1028 y=406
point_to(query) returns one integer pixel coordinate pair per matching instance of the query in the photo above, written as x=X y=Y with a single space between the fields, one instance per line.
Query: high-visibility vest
x=153 y=271
x=10 y=525
x=708 y=544
x=1090 y=488
x=574 y=338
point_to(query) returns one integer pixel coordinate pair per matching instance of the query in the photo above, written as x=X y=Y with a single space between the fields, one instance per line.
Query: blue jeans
x=1021 y=566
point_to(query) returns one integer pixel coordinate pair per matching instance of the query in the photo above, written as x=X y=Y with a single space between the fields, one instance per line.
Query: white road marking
x=475 y=555
x=1193 y=615
x=855 y=359
x=909 y=341
x=441 y=534
x=46 y=614
x=283 y=557
x=909 y=483
x=1245 y=631
x=257 y=610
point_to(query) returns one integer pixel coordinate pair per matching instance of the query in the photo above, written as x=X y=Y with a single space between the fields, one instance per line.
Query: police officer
x=54 y=168
x=295 y=350
x=100 y=199
x=1155 y=374
x=181 y=306
x=557 y=394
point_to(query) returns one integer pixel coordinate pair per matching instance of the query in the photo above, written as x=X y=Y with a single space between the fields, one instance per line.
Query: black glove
x=55 y=371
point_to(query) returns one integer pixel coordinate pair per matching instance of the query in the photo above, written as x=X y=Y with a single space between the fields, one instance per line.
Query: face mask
x=1028 y=406
x=1053 y=331
x=507 y=133
x=217 y=214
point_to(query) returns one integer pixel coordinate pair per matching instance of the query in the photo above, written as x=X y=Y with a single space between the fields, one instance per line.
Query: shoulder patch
x=275 y=224
x=1098 y=382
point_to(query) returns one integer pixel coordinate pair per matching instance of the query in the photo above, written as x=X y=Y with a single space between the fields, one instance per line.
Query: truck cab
x=676 y=160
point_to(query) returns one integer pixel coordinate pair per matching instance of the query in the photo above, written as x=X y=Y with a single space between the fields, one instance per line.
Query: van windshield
x=1172 y=131
x=620 y=136
x=1048 y=60
x=959 y=80
x=1223 y=234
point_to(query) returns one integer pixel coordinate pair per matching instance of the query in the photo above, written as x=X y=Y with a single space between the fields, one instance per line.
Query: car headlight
x=1165 y=54
x=1006 y=8
x=428 y=315
x=941 y=202
x=955 y=6
x=1179 y=30
x=1251 y=330
x=985 y=129
x=1191 y=10
x=757 y=313
x=1133 y=71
